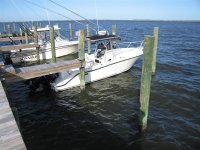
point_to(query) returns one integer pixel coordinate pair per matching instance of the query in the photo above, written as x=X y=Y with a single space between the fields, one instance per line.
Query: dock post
x=145 y=81
x=14 y=27
x=9 y=29
x=36 y=41
x=4 y=28
x=88 y=41
x=70 y=31
x=20 y=32
x=52 y=40
x=81 y=40
x=26 y=37
x=155 y=50
x=114 y=27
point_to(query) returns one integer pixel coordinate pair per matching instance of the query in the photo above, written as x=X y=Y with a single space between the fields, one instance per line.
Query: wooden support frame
x=17 y=47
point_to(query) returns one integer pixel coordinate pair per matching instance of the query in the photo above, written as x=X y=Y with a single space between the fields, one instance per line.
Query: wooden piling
x=26 y=37
x=114 y=27
x=70 y=31
x=20 y=35
x=145 y=81
x=4 y=28
x=88 y=40
x=36 y=42
x=9 y=29
x=81 y=39
x=37 y=24
x=14 y=27
x=155 y=50
x=52 y=40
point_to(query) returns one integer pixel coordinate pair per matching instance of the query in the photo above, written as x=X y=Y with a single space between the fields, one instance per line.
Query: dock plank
x=5 y=39
x=17 y=47
x=12 y=75
x=10 y=136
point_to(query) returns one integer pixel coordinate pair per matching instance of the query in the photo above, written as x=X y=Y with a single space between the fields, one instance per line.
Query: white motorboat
x=108 y=60
x=63 y=47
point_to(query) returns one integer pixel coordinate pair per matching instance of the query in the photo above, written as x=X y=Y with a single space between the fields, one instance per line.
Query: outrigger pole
x=30 y=2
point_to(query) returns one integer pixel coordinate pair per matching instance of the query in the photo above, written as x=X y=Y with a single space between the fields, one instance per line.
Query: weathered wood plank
x=10 y=137
x=52 y=40
x=145 y=81
x=17 y=47
x=5 y=39
x=24 y=73
x=4 y=107
x=155 y=50
x=13 y=144
x=8 y=129
x=81 y=39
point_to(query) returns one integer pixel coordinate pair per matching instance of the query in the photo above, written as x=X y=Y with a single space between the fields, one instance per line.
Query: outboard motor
x=41 y=84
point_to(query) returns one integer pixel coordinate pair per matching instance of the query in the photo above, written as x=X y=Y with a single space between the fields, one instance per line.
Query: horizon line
x=161 y=20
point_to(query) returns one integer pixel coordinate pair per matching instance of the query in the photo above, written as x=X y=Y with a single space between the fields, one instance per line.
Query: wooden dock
x=12 y=74
x=5 y=39
x=10 y=136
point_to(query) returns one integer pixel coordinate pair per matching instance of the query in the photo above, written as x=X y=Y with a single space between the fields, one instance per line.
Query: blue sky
x=20 y=10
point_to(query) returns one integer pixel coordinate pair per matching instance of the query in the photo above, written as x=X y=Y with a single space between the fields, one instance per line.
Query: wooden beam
x=88 y=40
x=114 y=27
x=155 y=50
x=12 y=75
x=9 y=29
x=4 y=28
x=17 y=47
x=70 y=32
x=5 y=39
x=52 y=41
x=81 y=39
x=36 y=41
x=145 y=86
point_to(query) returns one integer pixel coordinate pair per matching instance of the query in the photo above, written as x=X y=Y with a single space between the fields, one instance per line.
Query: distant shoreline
x=136 y=20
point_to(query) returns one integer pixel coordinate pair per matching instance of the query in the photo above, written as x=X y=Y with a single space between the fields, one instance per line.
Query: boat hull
x=45 y=53
x=96 y=73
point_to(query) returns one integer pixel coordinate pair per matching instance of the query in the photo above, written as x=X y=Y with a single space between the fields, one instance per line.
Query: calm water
x=105 y=115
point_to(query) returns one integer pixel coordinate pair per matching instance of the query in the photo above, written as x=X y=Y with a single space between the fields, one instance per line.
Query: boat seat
x=100 y=53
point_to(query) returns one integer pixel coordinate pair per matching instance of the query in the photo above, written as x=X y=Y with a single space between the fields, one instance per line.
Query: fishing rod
x=56 y=13
x=75 y=14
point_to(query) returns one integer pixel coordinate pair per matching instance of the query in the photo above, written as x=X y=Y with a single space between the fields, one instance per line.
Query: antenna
x=97 y=16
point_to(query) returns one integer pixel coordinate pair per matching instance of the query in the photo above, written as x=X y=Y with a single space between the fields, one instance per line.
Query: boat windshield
x=45 y=35
x=98 y=38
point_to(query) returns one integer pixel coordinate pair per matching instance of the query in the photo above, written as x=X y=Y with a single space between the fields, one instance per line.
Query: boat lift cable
x=12 y=40
x=20 y=12
x=47 y=13
x=75 y=14
x=30 y=2
x=24 y=28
